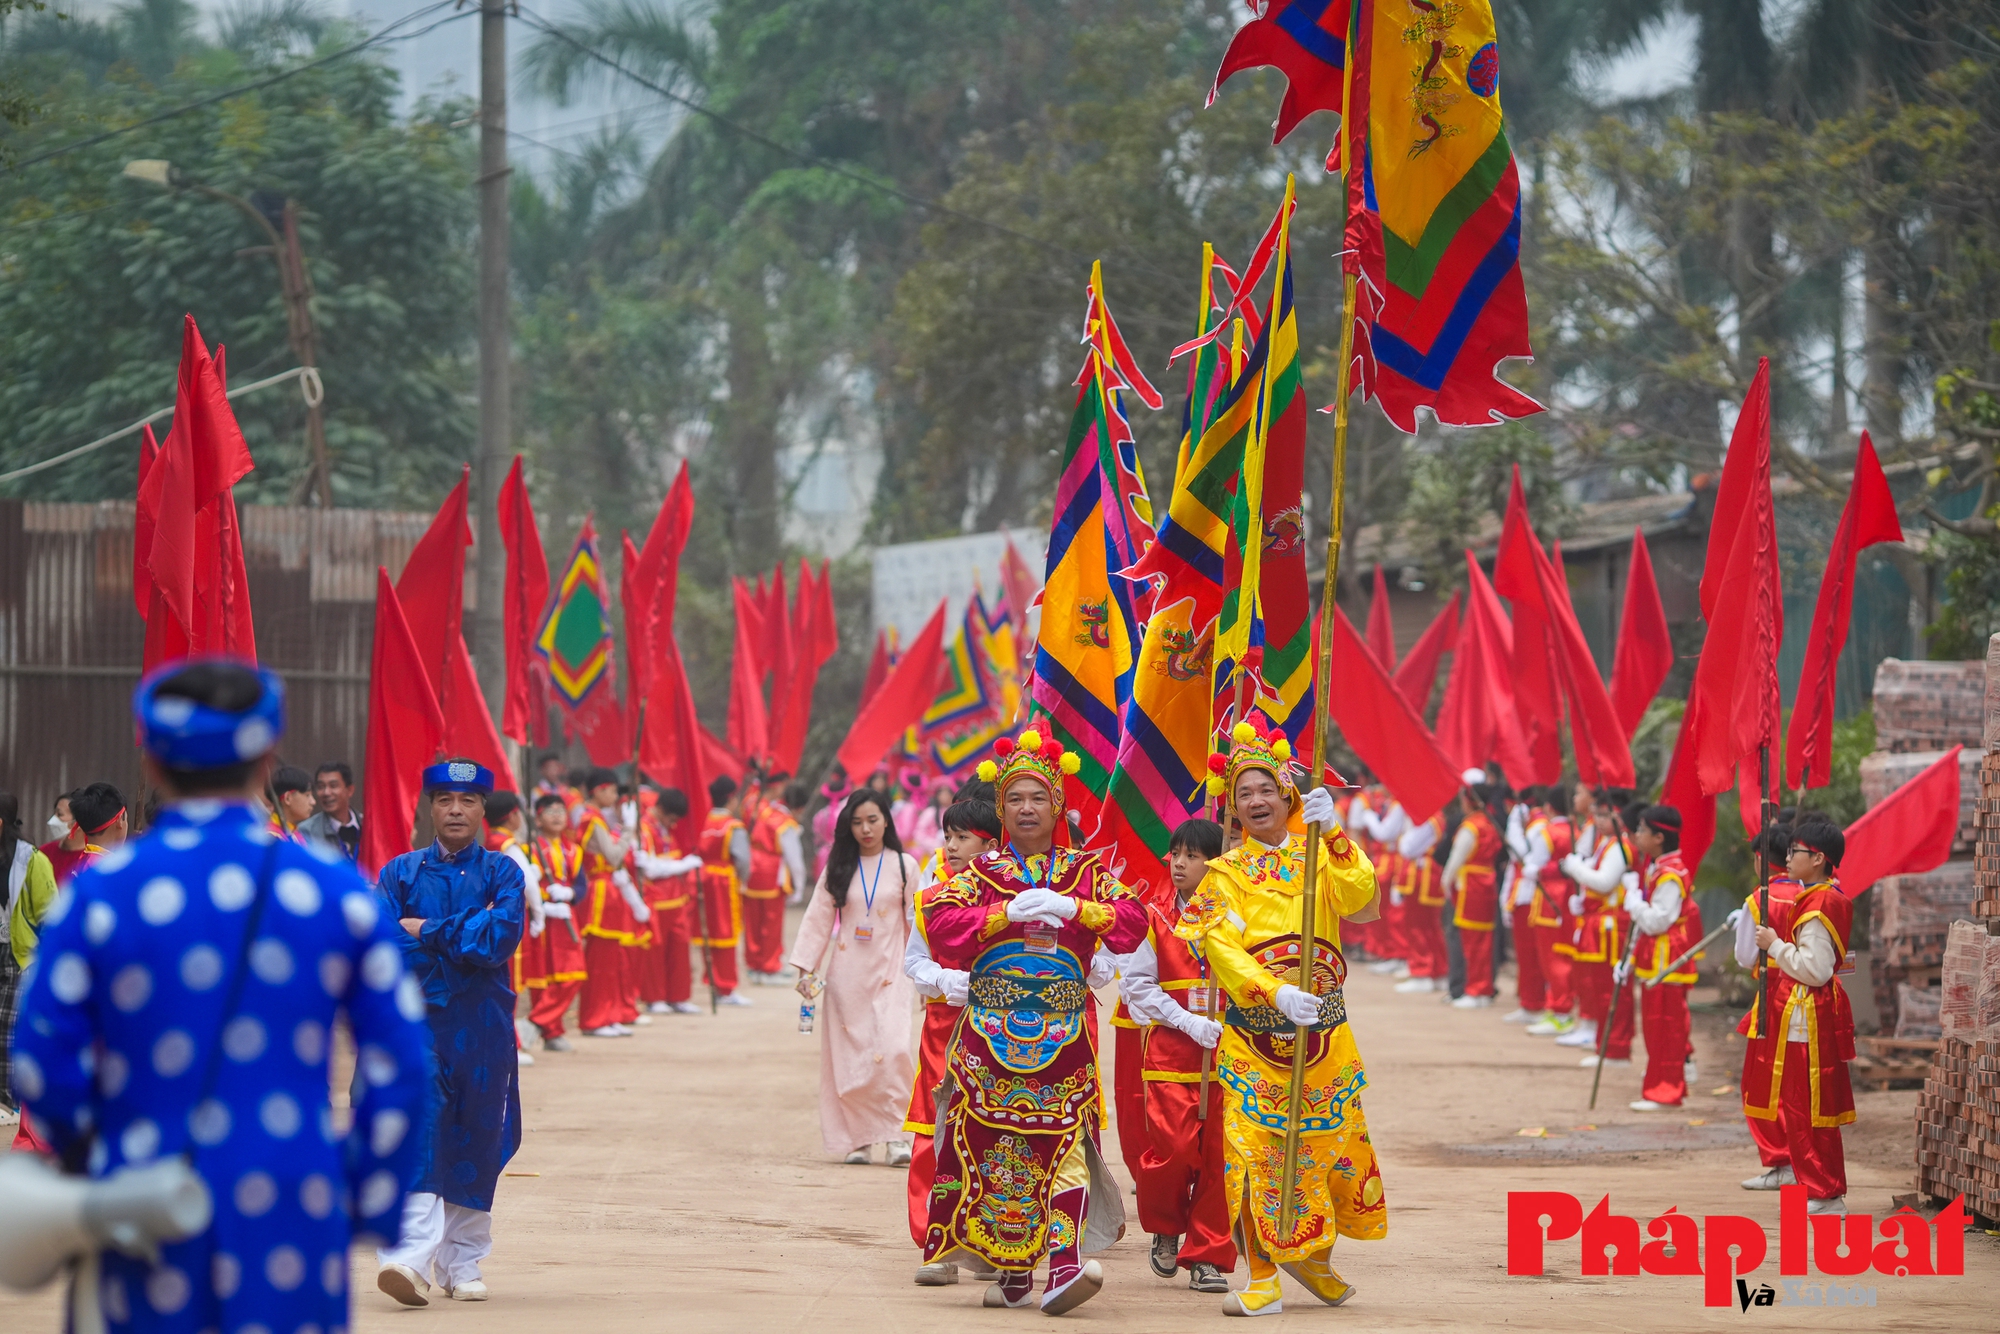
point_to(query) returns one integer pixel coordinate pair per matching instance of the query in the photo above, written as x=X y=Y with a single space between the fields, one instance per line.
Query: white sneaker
x=1689 y=1071
x=1771 y=1180
x=403 y=1283
x=1551 y=1026
x=660 y=1007
x=607 y=1031
x=643 y=1020
x=1583 y=1035
x=1517 y=1015
x=1385 y=966
x=685 y=1007
x=734 y=999
x=1836 y=1205
x=1472 y=1002
x=472 y=1290
x=523 y=1058
x=1611 y=1062
x=1648 y=1105
x=1402 y=972
x=899 y=1154
x=1417 y=984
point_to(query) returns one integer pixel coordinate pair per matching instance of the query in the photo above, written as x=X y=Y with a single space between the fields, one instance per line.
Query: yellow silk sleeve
x=1349 y=875
x=1214 y=907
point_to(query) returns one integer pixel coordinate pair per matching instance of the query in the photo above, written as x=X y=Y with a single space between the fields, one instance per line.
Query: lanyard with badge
x=1040 y=936
x=865 y=929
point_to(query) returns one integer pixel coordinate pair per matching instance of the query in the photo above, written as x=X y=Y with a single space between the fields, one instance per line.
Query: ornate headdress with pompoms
x=1031 y=755
x=1254 y=744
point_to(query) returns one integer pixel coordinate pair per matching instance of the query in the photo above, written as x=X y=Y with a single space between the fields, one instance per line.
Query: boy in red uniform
x=666 y=981
x=1472 y=875
x=1664 y=913
x=971 y=827
x=1421 y=889
x=1798 y=1078
x=614 y=929
x=1597 y=942
x=725 y=862
x=1183 y=1200
x=556 y=969
x=777 y=872
x=1551 y=836
x=1774 y=847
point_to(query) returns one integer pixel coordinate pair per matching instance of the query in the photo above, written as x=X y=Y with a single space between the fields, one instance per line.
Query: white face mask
x=58 y=827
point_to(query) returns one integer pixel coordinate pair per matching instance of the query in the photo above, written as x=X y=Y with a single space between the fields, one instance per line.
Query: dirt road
x=679 y=1184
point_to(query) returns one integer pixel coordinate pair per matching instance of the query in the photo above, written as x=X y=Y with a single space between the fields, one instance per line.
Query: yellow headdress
x=1031 y=755
x=1253 y=744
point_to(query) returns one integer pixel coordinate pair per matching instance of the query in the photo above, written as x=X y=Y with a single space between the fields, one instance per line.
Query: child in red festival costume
x=666 y=980
x=777 y=871
x=1798 y=1077
x=554 y=971
x=1473 y=877
x=1183 y=1199
x=725 y=863
x=1773 y=848
x=1421 y=890
x=615 y=921
x=1597 y=942
x=1551 y=835
x=971 y=827
x=1664 y=913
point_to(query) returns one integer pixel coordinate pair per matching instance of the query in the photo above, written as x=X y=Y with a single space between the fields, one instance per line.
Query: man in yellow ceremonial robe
x=1246 y=915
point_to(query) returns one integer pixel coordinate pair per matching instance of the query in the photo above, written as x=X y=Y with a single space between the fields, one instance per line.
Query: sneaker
x=1385 y=966
x=686 y=1007
x=642 y=1020
x=899 y=1154
x=1648 y=1105
x=1836 y=1205
x=404 y=1284
x=1780 y=1175
x=1472 y=1002
x=731 y=998
x=1165 y=1256
x=607 y=1031
x=1014 y=1291
x=623 y=1031
x=1402 y=973
x=859 y=1157
x=1410 y=988
x=937 y=1275
x=472 y=1290
x=523 y=1058
x=1205 y=1277
x=1551 y=1026
x=1611 y=1062
x=1580 y=1035
x=557 y=1044
x=1518 y=1015
x=660 y=1007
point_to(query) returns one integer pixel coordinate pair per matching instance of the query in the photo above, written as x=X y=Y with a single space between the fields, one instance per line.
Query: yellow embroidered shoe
x=1317 y=1274
x=1262 y=1297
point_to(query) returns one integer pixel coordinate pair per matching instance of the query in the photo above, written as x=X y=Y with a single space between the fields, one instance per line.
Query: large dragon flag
x=1085 y=651
x=1265 y=636
x=1434 y=213
x=972 y=711
x=575 y=643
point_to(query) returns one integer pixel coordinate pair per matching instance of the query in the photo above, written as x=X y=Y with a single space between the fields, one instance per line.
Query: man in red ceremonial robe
x=1018 y=1175
x=615 y=916
x=725 y=863
x=777 y=871
x=1799 y=1078
x=1183 y=1198
x=1598 y=941
x=666 y=980
x=1472 y=876
x=1664 y=913
x=556 y=969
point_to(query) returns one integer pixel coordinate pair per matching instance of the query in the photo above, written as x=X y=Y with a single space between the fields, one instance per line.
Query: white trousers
x=443 y=1242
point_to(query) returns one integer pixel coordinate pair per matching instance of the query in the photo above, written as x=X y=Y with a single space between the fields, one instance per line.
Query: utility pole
x=495 y=349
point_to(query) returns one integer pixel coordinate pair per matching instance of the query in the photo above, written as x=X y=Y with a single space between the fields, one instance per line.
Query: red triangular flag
x=526 y=715
x=1382 y=625
x=405 y=733
x=1478 y=721
x=1868 y=517
x=1910 y=831
x=142 y=526
x=749 y=727
x=1645 y=648
x=879 y=665
x=1603 y=755
x=1385 y=732
x=1682 y=791
x=671 y=747
x=1517 y=577
x=779 y=656
x=1417 y=676
x=900 y=701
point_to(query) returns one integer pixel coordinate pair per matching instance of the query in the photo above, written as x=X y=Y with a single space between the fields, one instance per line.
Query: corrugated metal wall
x=71 y=640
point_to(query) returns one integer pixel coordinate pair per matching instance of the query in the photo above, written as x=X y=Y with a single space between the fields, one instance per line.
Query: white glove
x=1572 y=864
x=642 y=912
x=1205 y=1032
x=1734 y=918
x=1621 y=973
x=628 y=814
x=1634 y=901
x=630 y=893
x=1103 y=967
x=1296 y=1006
x=956 y=985
x=1576 y=905
x=557 y=910
x=1317 y=808
x=684 y=865
x=535 y=927
x=1041 y=903
x=559 y=892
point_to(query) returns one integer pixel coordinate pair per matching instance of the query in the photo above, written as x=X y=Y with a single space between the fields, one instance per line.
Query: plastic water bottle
x=806 y=1010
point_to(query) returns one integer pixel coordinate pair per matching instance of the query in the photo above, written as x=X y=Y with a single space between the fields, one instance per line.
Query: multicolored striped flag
x=970 y=713
x=1163 y=752
x=575 y=644
x=1434 y=214
x=1086 y=644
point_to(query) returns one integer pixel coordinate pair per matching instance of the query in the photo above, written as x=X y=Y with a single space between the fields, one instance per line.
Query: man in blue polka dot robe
x=461 y=908
x=182 y=1002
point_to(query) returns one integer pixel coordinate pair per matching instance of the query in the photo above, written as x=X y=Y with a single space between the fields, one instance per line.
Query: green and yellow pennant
x=575 y=638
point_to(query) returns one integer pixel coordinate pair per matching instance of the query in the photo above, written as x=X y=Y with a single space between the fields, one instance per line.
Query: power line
x=385 y=35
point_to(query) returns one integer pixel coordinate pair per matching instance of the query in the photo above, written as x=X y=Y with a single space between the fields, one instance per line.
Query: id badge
x=1198 y=1000
x=1041 y=939
x=864 y=931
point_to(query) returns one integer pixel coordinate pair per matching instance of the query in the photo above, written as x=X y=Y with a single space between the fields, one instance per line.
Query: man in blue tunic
x=461 y=908
x=182 y=1003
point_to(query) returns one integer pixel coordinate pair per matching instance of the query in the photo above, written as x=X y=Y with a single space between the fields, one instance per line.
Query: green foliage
x=1458 y=494
x=1969 y=612
x=96 y=271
